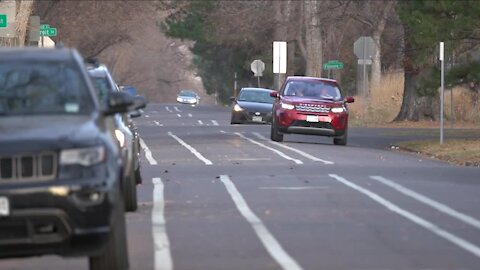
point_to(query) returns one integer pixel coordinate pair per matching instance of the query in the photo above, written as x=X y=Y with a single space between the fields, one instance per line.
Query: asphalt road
x=217 y=196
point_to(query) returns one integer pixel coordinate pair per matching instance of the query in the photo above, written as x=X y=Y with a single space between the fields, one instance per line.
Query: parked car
x=313 y=106
x=188 y=97
x=125 y=132
x=129 y=89
x=60 y=164
x=252 y=105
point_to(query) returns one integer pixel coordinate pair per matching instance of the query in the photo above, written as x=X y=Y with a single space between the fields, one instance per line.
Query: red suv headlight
x=337 y=109
x=287 y=106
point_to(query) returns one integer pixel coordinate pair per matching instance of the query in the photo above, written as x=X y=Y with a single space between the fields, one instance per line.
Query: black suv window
x=102 y=87
x=43 y=88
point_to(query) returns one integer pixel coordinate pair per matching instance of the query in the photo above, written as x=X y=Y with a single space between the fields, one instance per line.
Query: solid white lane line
x=163 y=256
x=215 y=123
x=176 y=109
x=190 y=115
x=191 y=149
x=430 y=202
x=158 y=123
x=168 y=109
x=179 y=115
x=462 y=243
x=148 y=153
x=200 y=122
x=293 y=149
x=294 y=188
x=268 y=240
x=271 y=149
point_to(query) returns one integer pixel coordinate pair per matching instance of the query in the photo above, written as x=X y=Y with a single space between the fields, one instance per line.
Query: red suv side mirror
x=349 y=99
x=274 y=94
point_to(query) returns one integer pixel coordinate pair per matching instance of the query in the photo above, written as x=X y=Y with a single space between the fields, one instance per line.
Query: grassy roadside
x=464 y=152
x=462 y=144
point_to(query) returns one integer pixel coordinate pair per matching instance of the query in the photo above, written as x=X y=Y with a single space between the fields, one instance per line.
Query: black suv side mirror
x=119 y=102
x=139 y=102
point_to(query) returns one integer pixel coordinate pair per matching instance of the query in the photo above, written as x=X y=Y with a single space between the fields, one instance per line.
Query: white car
x=188 y=97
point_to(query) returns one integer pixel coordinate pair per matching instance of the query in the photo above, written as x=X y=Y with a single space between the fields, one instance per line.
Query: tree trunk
x=377 y=36
x=22 y=19
x=313 y=39
x=415 y=107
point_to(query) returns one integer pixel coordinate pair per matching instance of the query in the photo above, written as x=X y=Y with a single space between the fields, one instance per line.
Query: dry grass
x=384 y=102
x=386 y=99
x=460 y=152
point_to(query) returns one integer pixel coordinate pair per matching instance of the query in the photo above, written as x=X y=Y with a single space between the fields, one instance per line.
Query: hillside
x=126 y=36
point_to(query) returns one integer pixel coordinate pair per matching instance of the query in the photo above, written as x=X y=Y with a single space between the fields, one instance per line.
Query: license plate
x=312 y=118
x=4 y=206
x=257 y=118
x=324 y=119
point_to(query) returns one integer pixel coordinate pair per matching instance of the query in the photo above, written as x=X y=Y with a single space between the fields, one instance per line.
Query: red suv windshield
x=312 y=89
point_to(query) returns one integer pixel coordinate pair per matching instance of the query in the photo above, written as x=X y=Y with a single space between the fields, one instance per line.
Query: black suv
x=125 y=132
x=60 y=168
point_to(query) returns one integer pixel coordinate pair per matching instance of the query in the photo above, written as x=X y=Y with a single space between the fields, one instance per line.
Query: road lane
x=317 y=220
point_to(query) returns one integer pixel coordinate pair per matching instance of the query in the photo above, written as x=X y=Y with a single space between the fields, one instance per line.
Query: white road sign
x=280 y=57
x=257 y=67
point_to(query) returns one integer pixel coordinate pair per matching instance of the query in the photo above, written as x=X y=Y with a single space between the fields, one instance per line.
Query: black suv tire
x=130 y=193
x=115 y=253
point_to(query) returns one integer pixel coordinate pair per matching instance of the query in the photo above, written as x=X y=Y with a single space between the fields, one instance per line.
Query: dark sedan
x=252 y=105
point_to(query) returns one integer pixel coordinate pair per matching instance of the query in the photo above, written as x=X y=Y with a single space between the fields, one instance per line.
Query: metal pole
x=235 y=85
x=441 y=91
x=42 y=42
x=365 y=90
x=452 y=108
x=258 y=81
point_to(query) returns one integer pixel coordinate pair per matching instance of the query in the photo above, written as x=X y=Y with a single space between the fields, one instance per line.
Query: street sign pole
x=442 y=74
x=235 y=85
x=258 y=81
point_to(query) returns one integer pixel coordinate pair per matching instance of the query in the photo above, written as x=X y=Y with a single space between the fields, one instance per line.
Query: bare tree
x=312 y=52
x=373 y=14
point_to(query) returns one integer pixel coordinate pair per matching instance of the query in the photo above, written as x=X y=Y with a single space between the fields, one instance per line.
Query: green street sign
x=3 y=20
x=333 y=64
x=44 y=26
x=49 y=32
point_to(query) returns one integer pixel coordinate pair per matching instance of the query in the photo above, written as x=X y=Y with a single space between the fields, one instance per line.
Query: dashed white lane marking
x=293 y=188
x=158 y=123
x=191 y=149
x=179 y=115
x=147 y=116
x=293 y=149
x=168 y=109
x=270 y=148
x=176 y=109
x=148 y=153
x=200 y=122
x=215 y=123
x=268 y=240
x=462 y=243
x=430 y=202
x=190 y=115
x=163 y=256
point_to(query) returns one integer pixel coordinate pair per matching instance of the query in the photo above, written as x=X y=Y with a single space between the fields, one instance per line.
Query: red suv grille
x=312 y=108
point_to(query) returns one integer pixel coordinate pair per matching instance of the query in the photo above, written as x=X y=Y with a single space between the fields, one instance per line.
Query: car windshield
x=42 y=88
x=102 y=88
x=252 y=95
x=187 y=94
x=312 y=89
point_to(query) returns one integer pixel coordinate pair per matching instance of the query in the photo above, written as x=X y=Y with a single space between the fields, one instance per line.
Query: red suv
x=313 y=106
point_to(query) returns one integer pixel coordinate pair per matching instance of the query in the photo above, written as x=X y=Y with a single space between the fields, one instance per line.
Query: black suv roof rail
x=92 y=61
